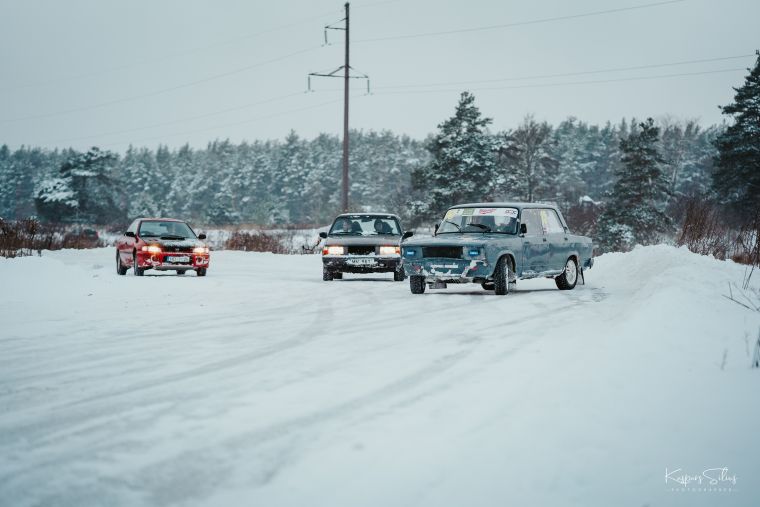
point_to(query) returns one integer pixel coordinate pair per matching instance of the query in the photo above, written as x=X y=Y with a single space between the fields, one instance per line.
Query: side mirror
x=523 y=229
x=323 y=235
x=407 y=234
x=129 y=234
x=202 y=235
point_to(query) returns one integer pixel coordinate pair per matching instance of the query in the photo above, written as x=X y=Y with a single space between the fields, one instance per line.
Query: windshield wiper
x=454 y=224
x=484 y=227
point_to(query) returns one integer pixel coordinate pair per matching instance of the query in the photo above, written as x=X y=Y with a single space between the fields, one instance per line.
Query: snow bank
x=262 y=385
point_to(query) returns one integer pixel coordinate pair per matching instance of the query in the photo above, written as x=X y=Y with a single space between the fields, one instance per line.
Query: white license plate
x=361 y=262
x=183 y=258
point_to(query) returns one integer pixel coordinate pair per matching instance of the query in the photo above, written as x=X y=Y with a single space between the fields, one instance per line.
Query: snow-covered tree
x=737 y=176
x=634 y=212
x=463 y=165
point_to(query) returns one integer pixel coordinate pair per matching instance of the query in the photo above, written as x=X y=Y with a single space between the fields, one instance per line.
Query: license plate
x=361 y=262
x=183 y=258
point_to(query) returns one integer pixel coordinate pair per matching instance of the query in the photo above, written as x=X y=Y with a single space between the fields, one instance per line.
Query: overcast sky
x=82 y=73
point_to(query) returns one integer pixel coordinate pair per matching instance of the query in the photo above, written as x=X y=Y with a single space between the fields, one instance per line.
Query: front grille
x=178 y=249
x=361 y=249
x=445 y=252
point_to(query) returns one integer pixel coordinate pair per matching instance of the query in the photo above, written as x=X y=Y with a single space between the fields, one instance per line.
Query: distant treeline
x=297 y=181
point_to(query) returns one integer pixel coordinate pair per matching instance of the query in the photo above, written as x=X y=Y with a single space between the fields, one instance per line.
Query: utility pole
x=344 y=200
x=346 y=68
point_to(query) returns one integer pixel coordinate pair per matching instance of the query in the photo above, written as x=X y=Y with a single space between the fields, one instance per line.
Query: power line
x=161 y=91
x=521 y=23
x=235 y=124
x=567 y=83
x=568 y=74
x=181 y=120
x=165 y=57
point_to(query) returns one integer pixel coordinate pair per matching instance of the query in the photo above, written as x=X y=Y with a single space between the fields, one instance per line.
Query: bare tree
x=526 y=158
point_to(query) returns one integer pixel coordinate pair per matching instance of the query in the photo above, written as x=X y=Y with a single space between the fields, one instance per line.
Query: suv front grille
x=445 y=252
x=361 y=249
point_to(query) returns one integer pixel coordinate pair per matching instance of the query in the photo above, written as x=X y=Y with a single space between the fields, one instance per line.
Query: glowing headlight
x=200 y=250
x=334 y=250
x=154 y=249
x=390 y=250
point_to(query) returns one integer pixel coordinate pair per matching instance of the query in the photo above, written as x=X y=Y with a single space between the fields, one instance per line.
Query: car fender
x=501 y=253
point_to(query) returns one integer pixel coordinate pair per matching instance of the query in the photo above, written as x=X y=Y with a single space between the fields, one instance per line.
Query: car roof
x=149 y=219
x=518 y=205
x=373 y=214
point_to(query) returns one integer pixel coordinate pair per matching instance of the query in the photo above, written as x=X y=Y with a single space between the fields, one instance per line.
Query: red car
x=163 y=244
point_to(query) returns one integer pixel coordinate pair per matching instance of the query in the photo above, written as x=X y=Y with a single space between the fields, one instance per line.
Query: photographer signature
x=710 y=476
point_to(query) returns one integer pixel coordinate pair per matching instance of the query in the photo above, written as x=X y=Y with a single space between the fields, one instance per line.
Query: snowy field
x=261 y=385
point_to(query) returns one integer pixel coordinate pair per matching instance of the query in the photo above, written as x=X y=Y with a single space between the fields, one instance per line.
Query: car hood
x=363 y=240
x=466 y=239
x=174 y=243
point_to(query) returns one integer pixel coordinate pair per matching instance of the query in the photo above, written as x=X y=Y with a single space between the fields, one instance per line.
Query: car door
x=127 y=244
x=557 y=238
x=535 y=243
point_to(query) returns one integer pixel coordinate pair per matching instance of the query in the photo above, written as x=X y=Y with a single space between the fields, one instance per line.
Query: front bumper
x=161 y=261
x=361 y=263
x=449 y=270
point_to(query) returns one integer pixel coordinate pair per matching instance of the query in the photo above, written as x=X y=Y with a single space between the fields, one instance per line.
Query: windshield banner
x=468 y=212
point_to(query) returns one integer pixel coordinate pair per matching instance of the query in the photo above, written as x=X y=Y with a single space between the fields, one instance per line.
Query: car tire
x=180 y=272
x=327 y=276
x=569 y=276
x=399 y=275
x=201 y=272
x=120 y=269
x=417 y=284
x=502 y=276
x=138 y=270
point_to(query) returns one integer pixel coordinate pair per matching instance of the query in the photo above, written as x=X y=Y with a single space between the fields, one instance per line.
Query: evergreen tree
x=463 y=161
x=634 y=209
x=736 y=179
x=84 y=191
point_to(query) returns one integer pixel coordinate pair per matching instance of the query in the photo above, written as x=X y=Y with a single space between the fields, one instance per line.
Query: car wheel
x=399 y=275
x=503 y=277
x=417 y=284
x=201 y=272
x=138 y=270
x=569 y=277
x=180 y=272
x=120 y=269
x=327 y=276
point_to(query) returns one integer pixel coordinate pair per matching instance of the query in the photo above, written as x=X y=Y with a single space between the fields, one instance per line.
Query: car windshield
x=365 y=225
x=165 y=229
x=492 y=220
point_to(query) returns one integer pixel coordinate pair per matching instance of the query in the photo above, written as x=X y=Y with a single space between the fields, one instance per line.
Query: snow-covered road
x=262 y=385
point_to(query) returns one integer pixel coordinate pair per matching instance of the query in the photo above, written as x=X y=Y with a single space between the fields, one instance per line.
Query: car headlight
x=390 y=250
x=154 y=249
x=334 y=250
x=474 y=252
x=200 y=250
